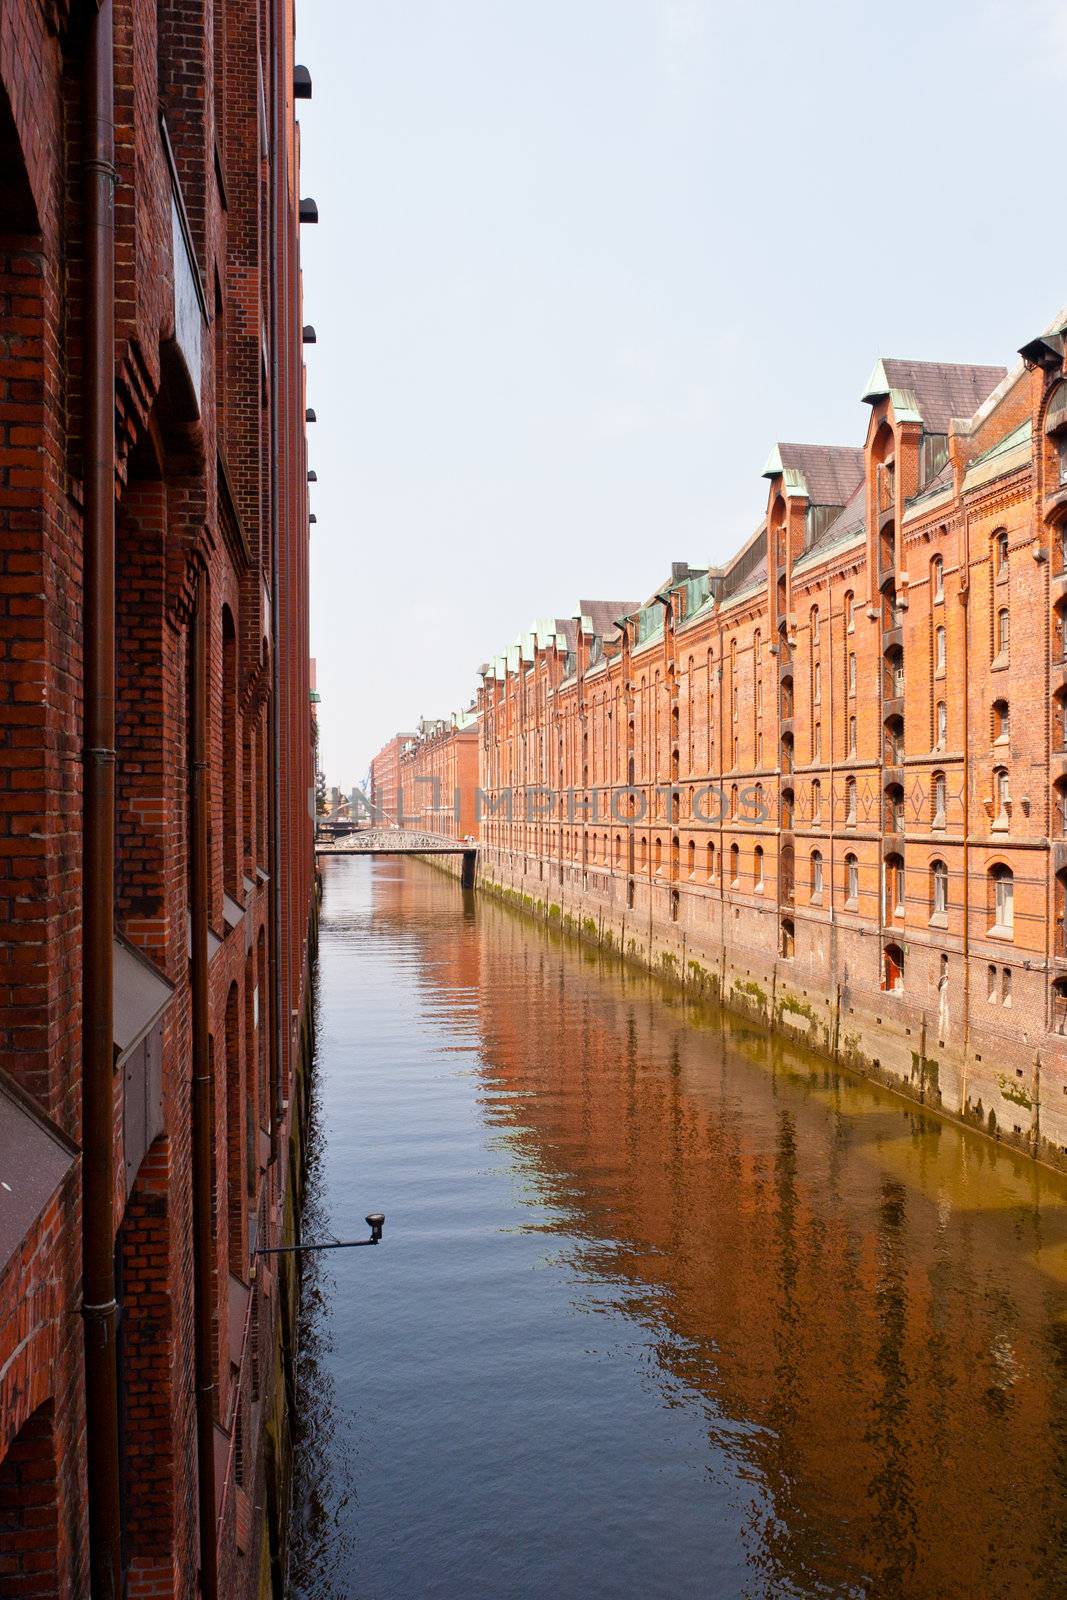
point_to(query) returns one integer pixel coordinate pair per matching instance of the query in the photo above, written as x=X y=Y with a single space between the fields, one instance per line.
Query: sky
x=580 y=263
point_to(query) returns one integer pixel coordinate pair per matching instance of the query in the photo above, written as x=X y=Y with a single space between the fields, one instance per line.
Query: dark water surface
x=662 y=1309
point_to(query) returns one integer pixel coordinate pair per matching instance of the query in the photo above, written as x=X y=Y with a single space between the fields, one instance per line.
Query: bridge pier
x=467 y=871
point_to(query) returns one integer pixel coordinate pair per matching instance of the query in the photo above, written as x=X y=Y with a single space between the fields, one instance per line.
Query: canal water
x=662 y=1308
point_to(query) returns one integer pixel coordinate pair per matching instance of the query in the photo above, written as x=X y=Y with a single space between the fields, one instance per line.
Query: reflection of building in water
x=845 y=1282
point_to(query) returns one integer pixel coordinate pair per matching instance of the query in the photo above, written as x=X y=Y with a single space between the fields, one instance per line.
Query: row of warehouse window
x=1000 y=879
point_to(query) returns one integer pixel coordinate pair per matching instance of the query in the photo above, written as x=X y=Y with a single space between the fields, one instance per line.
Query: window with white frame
x=1002 y=883
x=816 y=874
x=852 y=877
x=939 y=888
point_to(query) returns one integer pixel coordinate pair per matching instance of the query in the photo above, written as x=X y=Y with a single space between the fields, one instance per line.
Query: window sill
x=999 y=663
x=997 y=932
x=939 y=920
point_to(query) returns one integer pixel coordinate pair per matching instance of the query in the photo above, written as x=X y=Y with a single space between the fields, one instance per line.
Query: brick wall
x=211 y=487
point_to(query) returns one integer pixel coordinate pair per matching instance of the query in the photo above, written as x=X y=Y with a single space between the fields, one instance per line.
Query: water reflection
x=683 y=1312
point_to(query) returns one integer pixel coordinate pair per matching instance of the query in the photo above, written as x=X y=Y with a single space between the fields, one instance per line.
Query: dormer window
x=1056 y=429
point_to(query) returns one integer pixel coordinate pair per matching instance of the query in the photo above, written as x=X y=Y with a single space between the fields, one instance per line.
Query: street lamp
x=375 y=1221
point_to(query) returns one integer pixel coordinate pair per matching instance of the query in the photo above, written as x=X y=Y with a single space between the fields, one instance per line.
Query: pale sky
x=581 y=262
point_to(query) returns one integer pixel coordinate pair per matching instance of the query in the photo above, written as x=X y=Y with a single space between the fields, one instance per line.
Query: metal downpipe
x=99 y=1308
x=203 y=1240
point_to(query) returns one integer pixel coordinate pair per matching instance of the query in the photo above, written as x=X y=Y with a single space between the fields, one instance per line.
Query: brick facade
x=211 y=505
x=828 y=780
x=438 y=778
x=385 y=777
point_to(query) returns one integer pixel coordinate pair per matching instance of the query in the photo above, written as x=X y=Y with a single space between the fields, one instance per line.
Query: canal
x=663 y=1308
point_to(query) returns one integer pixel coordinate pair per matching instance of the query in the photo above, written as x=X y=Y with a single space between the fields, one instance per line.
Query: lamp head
x=375 y=1222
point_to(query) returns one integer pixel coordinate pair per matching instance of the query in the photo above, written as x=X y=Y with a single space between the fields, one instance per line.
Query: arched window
x=939 y=649
x=1001 y=797
x=893 y=980
x=709 y=855
x=852 y=672
x=850 y=801
x=816 y=802
x=893 y=883
x=735 y=864
x=894 y=741
x=852 y=736
x=1059 y=814
x=816 y=742
x=1002 y=900
x=852 y=877
x=658 y=858
x=937 y=799
x=757 y=869
x=850 y=611
x=1000 y=553
x=940 y=725
x=938 y=888
x=1003 y=633
x=817 y=682
x=814 y=624
x=894 y=808
x=816 y=874
x=1059 y=1006
x=733 y=800
x=1001 y=722
x=757 y=647
x=894 y=660
x=937 y=578
x=691 y=857
x=787 y=940
x=1059 y=722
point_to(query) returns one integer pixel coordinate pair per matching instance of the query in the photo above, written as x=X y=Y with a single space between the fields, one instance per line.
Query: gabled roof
x=931 y=392
x=603 y=615
x=825 y=473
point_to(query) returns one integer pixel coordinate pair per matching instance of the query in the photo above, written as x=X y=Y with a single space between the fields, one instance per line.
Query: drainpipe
x=965 y=597
x=274 y=740
x=99 y=1308
x=203 y=1239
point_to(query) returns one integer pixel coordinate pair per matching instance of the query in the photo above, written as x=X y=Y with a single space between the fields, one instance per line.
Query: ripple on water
x=660 y=1310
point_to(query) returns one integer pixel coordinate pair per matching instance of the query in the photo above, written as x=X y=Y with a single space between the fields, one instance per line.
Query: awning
x=213 y=941
x=231 y=912
x=140 y=995
x=34 y=1160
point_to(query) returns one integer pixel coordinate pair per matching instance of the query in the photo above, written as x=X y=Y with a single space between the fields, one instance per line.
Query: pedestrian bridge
x=343 y=839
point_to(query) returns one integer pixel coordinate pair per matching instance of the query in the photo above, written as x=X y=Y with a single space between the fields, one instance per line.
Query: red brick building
x=438 y=777
x=385 y=777
x=828 y=781
x=157 y=781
